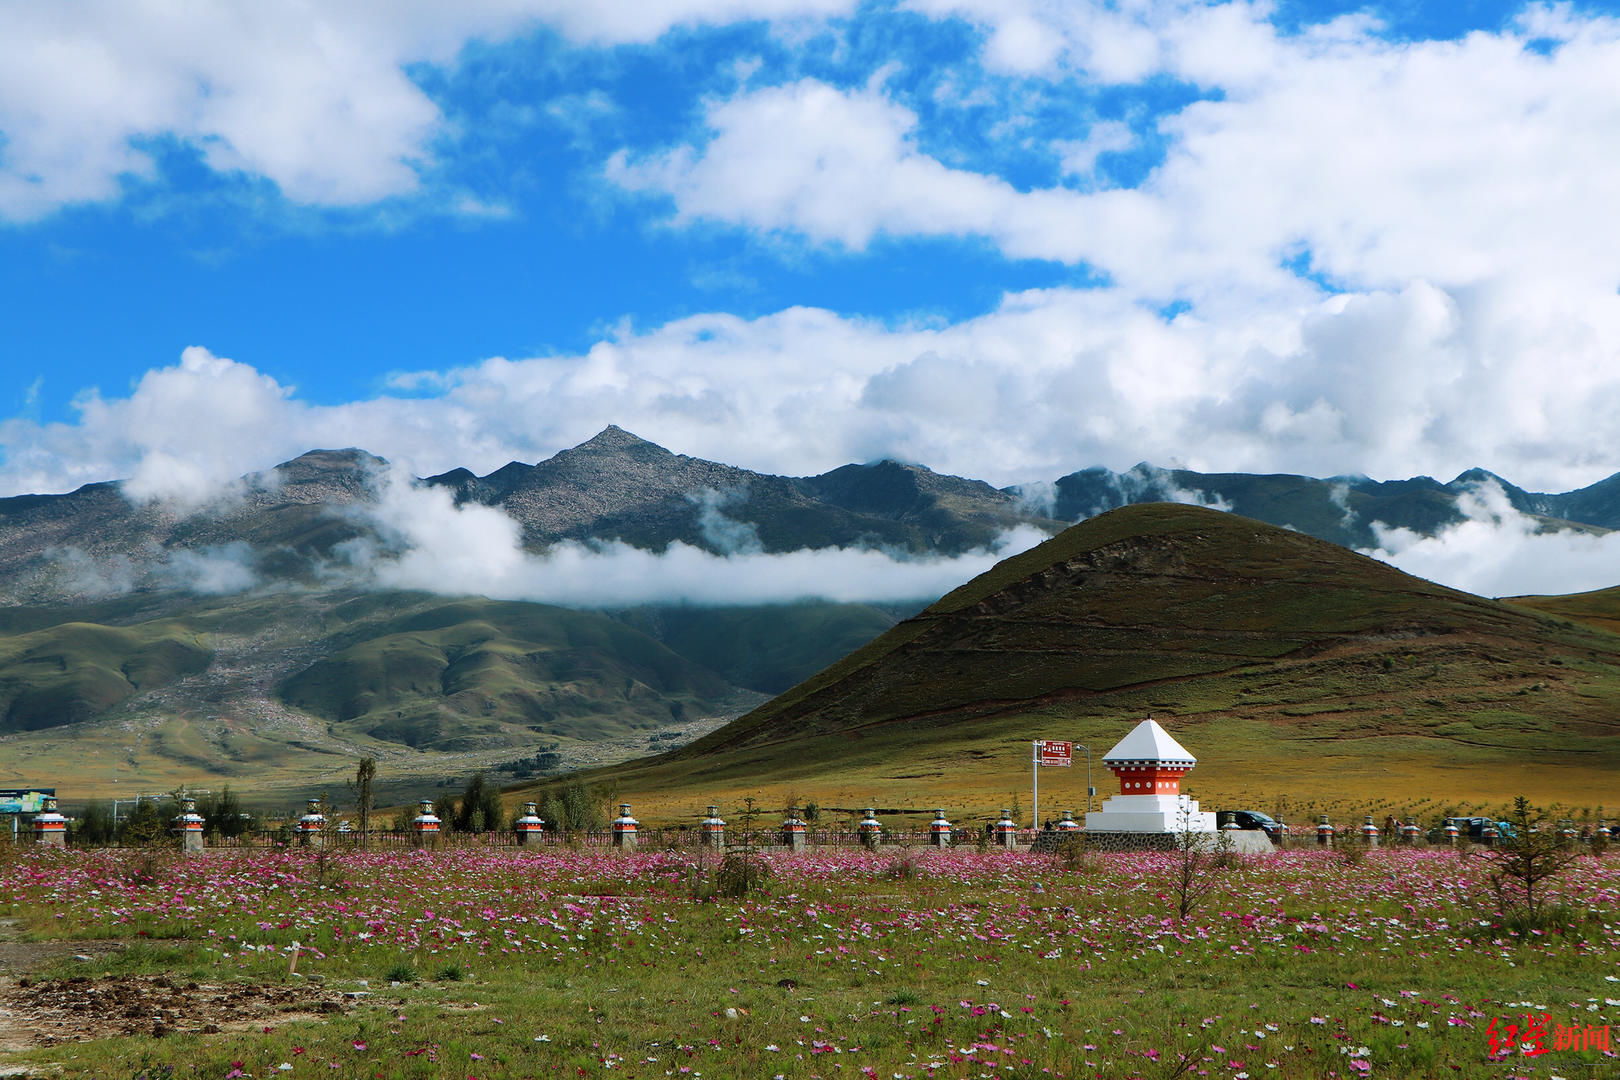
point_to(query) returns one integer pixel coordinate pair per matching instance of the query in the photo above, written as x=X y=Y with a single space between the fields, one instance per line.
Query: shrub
x=1073 y=854
x=150 y=864
x=740 y=874
x=480 y=809
x=1558 y=918
x=95 y=826
x=401 y=973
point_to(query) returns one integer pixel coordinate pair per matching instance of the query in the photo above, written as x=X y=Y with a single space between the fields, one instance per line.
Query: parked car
x=1254 y=819
x=1473 y=828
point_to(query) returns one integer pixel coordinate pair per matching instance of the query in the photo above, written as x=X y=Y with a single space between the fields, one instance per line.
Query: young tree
x=444 y=807
x=222 y=813
x=95 y=825
x=1519 y=867
x=146 y=824
x=1198 y=856
x=579 y=811
x=364 y=774
x=480 y=808
x=553 y=813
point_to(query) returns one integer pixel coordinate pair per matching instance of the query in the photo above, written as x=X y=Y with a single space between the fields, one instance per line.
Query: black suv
x=1254 y=819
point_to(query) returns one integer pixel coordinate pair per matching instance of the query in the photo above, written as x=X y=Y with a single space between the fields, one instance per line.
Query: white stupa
x=1150 y=765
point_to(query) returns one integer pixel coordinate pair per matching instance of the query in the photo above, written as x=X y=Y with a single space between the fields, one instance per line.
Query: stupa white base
x=1150 y=814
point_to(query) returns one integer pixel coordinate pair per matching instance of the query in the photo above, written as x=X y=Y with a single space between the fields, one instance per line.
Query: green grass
x=1600 y=608
x=72 y=671
x=466 y=671
x=554 y=963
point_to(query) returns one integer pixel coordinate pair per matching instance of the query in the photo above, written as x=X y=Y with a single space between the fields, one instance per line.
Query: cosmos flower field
x=889 y=964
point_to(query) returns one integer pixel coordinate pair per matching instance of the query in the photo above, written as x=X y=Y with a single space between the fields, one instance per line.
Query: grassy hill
x=1298 y=672
x=1600 y=608
x=771 y=647
x=72 y=671
x=460 y=675
x=281 y=690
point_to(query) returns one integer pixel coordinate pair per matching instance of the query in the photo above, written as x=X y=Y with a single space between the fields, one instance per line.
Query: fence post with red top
x=531 y=831
x=189 y=826
x=50 y=827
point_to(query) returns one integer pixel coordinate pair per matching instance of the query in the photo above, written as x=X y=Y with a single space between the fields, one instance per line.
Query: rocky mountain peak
x=614 y=439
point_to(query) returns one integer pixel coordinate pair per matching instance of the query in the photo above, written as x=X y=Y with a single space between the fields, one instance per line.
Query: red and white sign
x=1051 y=753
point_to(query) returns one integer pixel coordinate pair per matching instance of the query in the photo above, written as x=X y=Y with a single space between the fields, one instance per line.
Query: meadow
x=894 y=964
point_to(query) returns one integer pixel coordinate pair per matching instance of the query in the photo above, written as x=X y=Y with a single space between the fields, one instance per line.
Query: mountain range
x=250 y=638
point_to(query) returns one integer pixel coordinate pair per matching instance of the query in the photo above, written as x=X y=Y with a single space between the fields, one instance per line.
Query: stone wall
x=1048 y=842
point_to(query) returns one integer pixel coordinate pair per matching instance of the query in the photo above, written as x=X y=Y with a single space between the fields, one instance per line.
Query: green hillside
x=286 y=687
x=1600 y=608
x=459 y=674
x=1292 y=667
x=73 y=671
x=769 y=648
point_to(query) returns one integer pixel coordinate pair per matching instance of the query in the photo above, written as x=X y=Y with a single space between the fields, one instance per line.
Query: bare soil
x=81 y=1008
x=37 y=1012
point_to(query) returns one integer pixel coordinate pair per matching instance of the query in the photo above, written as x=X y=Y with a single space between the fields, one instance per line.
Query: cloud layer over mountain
x=1006 y=239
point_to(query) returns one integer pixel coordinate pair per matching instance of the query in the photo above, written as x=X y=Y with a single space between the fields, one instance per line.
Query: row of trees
x=150 y=820
x=478 y=809
x=572 y=808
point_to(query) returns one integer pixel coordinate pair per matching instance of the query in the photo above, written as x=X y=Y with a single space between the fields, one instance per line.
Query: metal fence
x=647 y=839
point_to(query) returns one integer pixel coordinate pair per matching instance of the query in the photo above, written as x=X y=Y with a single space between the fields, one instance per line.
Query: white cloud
x=808 y=157
x=213 y=571
x=312 y=97
x=1498 y=551
x=184 y=436
x=1079 y=156
x=434 y=545
x=80 y=575
x=842 y=167
x=1458 y=162
x=1111 y=43
x=1519 y=380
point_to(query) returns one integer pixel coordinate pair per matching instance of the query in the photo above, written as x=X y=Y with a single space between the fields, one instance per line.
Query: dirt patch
x=35 y=1013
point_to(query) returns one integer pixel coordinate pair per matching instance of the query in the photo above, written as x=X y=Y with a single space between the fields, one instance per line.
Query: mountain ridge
x=224 y=633
x=1292 y=665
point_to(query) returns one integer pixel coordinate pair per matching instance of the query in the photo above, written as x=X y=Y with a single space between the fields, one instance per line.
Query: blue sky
x=1005 y=238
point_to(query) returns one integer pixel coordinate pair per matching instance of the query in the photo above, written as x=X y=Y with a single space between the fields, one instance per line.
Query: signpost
x=1058 y=754
x=1054 y=754
x=1051 y=753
